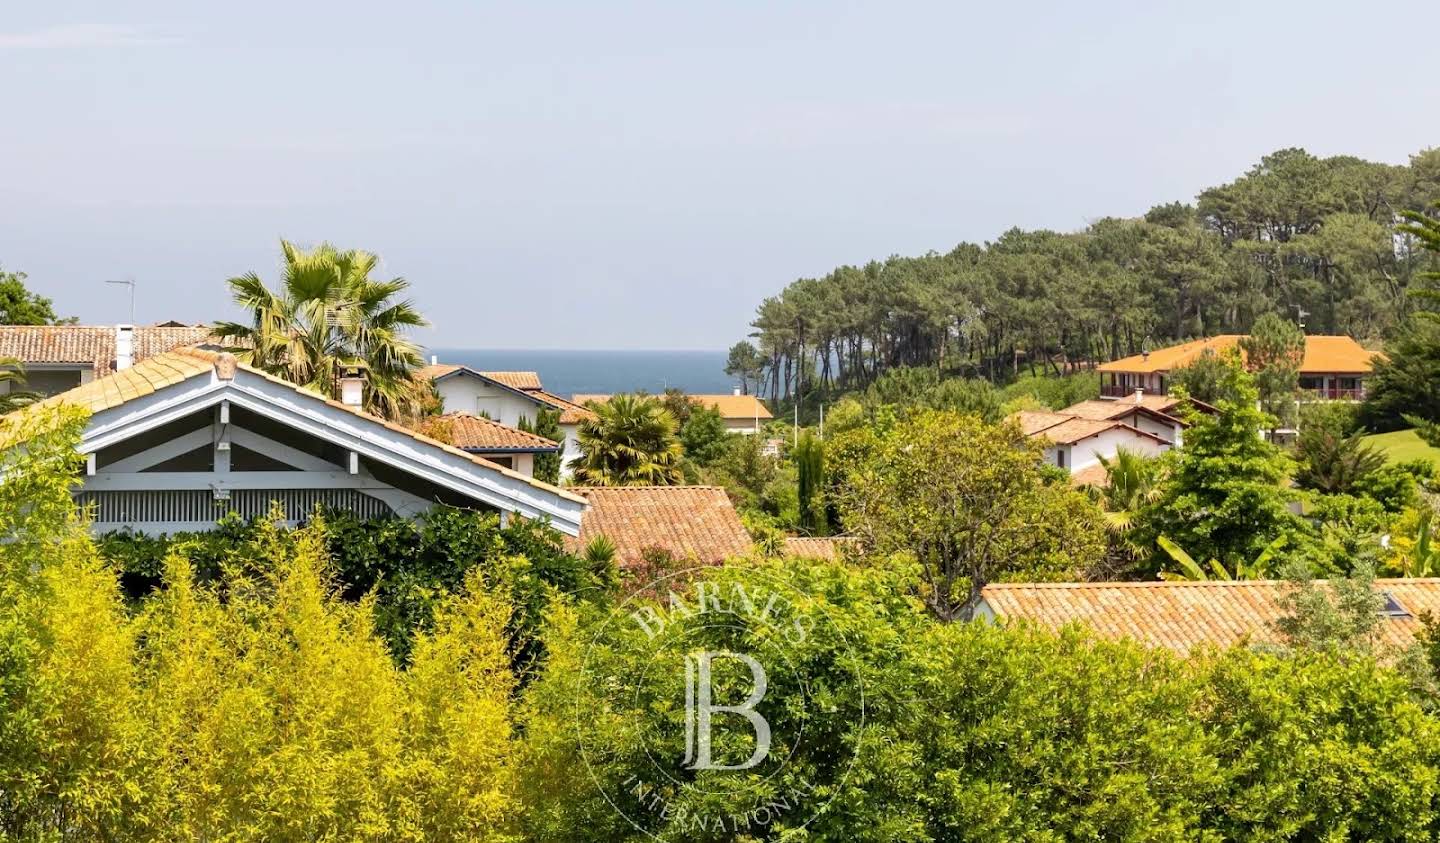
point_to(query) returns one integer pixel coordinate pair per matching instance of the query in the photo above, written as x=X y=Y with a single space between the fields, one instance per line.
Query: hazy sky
x=640 y=175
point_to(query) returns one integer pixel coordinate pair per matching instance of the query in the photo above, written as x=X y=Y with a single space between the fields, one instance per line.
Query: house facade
x=1333 y=367
x=1076 y=444
x=506 y=397
x=61 y=357
x=182 y=438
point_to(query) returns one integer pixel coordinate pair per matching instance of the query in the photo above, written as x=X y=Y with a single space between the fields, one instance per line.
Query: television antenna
x=128 y=282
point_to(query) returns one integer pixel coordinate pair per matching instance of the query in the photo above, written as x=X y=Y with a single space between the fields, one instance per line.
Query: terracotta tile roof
x=1102 y=409
x=729 y=406
x=1091 y=475
x=695 y=524
x=514 y=380
x=90 y=344
x=476 y=433
x=1323 y=355
x=172 y=367
x=1065 y=429
x=1182 y=615
x=570 y=412
x=830 y=549
x=1033 y=421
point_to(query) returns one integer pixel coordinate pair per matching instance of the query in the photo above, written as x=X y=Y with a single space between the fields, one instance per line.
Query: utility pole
x=128 y=282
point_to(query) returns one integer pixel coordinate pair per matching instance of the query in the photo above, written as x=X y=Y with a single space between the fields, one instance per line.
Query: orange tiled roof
x=570 y=412
x=830 y=549
x=1323 y=355
x=514 y=380
x=1183 y=615
x=476 y=433
x=728 y=406
x=172 y=367
x=1091 y=475
x=1065 y=429
x=693 y=523
x=90 y=344
x=1033 y=421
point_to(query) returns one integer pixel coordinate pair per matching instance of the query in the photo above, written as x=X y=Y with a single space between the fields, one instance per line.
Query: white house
x=183 y=437
x=1076 y=444
x=506 y=397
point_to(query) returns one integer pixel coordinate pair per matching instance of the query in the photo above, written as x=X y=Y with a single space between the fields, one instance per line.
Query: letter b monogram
x=699 y=711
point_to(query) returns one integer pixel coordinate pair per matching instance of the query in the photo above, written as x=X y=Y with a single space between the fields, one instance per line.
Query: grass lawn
x=1401 y=445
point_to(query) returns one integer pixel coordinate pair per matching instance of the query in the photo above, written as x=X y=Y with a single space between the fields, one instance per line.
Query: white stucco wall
x=1087 y=452
x=461 y=394
x=1170 y=433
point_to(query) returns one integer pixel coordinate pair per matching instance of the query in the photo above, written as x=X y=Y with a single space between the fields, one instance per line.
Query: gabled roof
x=1183 y=615
x=524 y=384
x=209 y=377
x=1323 y=355
x=570 y=412
x=514 y=380
x=481 y=435
x=92 y=345
x=1104 y=410
x=695 y=524
x=1065 y=429
x=734 y=407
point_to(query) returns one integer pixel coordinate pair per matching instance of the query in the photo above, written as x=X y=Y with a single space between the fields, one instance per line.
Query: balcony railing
x=1110 y=390
x=1335 y=393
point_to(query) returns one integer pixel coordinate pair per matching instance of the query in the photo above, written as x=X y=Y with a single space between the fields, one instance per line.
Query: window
x=1392 y=607
x=1060 y=457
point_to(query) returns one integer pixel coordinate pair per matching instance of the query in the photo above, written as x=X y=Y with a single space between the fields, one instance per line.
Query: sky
x=636 y=175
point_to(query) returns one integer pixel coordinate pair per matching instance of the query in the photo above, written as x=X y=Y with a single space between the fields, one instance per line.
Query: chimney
x=124 y=346
x=735 y=391
x=1139 y=394
x=352 y=386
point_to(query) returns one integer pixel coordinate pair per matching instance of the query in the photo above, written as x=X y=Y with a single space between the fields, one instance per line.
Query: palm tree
x=630 y=442
x=1192 y=571
x=1133 y=482
x=329 y=315
x=12 y=372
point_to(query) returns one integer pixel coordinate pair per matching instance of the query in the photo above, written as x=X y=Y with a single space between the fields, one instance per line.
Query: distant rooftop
x=1323 y=355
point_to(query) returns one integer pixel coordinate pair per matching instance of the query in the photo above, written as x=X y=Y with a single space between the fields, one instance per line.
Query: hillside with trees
x=1295 y=233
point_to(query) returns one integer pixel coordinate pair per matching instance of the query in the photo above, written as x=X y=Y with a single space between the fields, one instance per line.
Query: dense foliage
x=1296 y=231
x=258 y=702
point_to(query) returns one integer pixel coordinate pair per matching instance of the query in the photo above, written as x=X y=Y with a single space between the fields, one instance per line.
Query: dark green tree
x=1224 y=498
x=546 y=424
x=704 y=435
x=746 y=363
x=809 y=458
x=1274 y=350
x=20 y=306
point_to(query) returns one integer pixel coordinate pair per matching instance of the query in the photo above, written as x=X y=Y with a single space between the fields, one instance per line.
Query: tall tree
x=20 y=306
x=1274 y=350
x=971 y=503
x=746 y=363
x=1224 y=498
x=631 y=441
x=328 y=314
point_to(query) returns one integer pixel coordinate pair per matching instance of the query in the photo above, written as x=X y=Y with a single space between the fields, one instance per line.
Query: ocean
x=565 y=373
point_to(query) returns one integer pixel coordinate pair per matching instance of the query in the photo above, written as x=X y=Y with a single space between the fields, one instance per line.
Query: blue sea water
x=565 y=373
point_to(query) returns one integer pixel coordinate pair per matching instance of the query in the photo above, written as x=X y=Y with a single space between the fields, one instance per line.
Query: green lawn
x=1402 y=445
